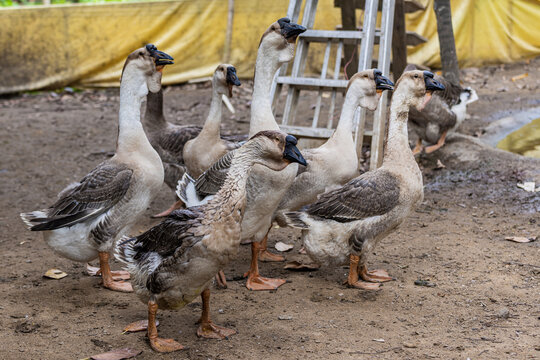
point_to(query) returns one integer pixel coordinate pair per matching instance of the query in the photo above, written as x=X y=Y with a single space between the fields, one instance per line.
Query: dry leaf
x=295 y=265
x=519 y=77
x=527 y=186
x=55 y=274
x=440 y=165
x=518 y=239
x=118 y=354
x=283 y=247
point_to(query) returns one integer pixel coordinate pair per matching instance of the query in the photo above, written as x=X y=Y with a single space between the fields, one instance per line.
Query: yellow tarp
x=87 y=44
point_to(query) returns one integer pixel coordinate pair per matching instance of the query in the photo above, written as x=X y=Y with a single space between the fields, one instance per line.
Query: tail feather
x=124 y=252
x=187 y=192
x=34 y=218
x=294 y=219
x=181 y=188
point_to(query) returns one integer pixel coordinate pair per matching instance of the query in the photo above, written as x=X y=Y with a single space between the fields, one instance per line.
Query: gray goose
x=445 y=112
x=345 y=224
x=265 y=187
x=90 y=215
x=174 y=262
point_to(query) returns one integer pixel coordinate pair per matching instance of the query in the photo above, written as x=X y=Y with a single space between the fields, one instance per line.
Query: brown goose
x=345 y=224
x=90 y=215
x=169 y=139
x=265 y=187
x=445 y=112
x=175 y=261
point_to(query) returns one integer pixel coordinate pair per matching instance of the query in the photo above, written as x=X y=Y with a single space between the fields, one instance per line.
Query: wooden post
x=447 y=43
x=348 y=21
x=228 y=34
x=399 y=41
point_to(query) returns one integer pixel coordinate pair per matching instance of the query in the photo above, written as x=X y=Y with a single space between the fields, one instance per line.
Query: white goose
x=89 y=216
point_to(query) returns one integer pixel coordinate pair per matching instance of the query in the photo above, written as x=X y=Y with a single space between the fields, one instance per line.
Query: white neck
x=153 y=117
x=131 y=136
x=397 y=145
x=261 y=104
x=345 y=125
x=213 y=121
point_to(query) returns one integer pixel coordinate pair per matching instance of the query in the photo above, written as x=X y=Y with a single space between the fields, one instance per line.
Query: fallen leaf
x=440 y=165
x=283 y=247
x=518 y=239
x=55 y=274
x=118 y=354
x=295 y=265
x=527 y=186
x=519 y=77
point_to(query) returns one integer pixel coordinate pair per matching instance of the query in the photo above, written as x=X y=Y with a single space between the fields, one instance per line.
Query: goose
x=265 y=187
x=335 y=162
x=445 y=112
x=174 y=262
x=346 y=223
x=90 y=215
x=169 y=139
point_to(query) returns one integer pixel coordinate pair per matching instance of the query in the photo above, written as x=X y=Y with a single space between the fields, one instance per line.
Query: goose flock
x=232 y=189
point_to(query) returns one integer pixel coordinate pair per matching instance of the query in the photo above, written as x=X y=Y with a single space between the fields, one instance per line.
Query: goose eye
x=416 y=76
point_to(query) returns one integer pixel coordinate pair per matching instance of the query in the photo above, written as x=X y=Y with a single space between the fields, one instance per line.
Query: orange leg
x=438 y=145
x=207 y=329
x=221 y=280
x=267 y=256
x=107 y=276
x=353 y=280
x=256 y=281
x=159 y=344
x=418 y=148
x=177 y=205
x=116 y=275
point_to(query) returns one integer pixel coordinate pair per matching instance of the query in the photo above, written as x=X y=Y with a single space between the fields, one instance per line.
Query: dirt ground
x=484 y=302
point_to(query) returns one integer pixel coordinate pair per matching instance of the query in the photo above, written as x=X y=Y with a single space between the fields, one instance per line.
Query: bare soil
x=484 y=298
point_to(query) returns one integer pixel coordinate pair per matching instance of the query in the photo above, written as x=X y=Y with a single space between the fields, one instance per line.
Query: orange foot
x=267 y=256
x=116 y=275
x=118 y=286
x=376 y=276
x=212 y=331
x=140 y=325
x=165 y=345
x=261 y=283
x=365 y=285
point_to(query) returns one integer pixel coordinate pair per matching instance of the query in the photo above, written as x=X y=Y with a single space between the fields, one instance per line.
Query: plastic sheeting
x=86 y=45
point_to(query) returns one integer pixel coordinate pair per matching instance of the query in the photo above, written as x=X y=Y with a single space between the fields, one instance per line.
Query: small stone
x=409 y=345
x=503 y=313
x=284 y=317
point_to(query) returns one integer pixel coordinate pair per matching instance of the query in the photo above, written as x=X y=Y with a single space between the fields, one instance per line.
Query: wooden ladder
x=367 y=37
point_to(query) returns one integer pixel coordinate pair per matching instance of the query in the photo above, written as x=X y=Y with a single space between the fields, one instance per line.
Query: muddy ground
x=485 y=298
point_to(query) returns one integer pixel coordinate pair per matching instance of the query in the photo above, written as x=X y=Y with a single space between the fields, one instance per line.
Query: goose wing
x=212 y=179
x=371 y=194
x=94 y=195
x=172 y=142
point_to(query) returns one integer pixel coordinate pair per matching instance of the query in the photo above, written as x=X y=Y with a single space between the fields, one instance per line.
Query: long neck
x=397 y=145
x=345 y=125
x=154 y=110
x=213 y=121
x=131 y=136
x=261 y=104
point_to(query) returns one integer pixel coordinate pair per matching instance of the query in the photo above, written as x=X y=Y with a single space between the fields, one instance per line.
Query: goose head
x=224 y=79
x=145 y=65
x=275 y=149
x=280 y=39
x=419 y=85
x=367 y=87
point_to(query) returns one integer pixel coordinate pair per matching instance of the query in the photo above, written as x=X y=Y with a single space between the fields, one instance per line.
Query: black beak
x=161 y=58
x=290 y=30
x=382 y=82
x=431 y=83
x=231 y=76
x=291 y=152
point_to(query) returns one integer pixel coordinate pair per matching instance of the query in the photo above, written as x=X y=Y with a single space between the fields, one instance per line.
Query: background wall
x=86 y=45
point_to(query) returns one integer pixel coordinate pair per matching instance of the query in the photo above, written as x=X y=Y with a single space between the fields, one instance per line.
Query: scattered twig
x=373 y=353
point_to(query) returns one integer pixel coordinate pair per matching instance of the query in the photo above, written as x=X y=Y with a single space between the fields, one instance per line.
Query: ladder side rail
x=323 y=76
x=337 y=68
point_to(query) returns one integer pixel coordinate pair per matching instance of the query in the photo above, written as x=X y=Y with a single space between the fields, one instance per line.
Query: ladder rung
x=409 y=6
x=313 y=83
x=311 y=132
x=347 y=36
